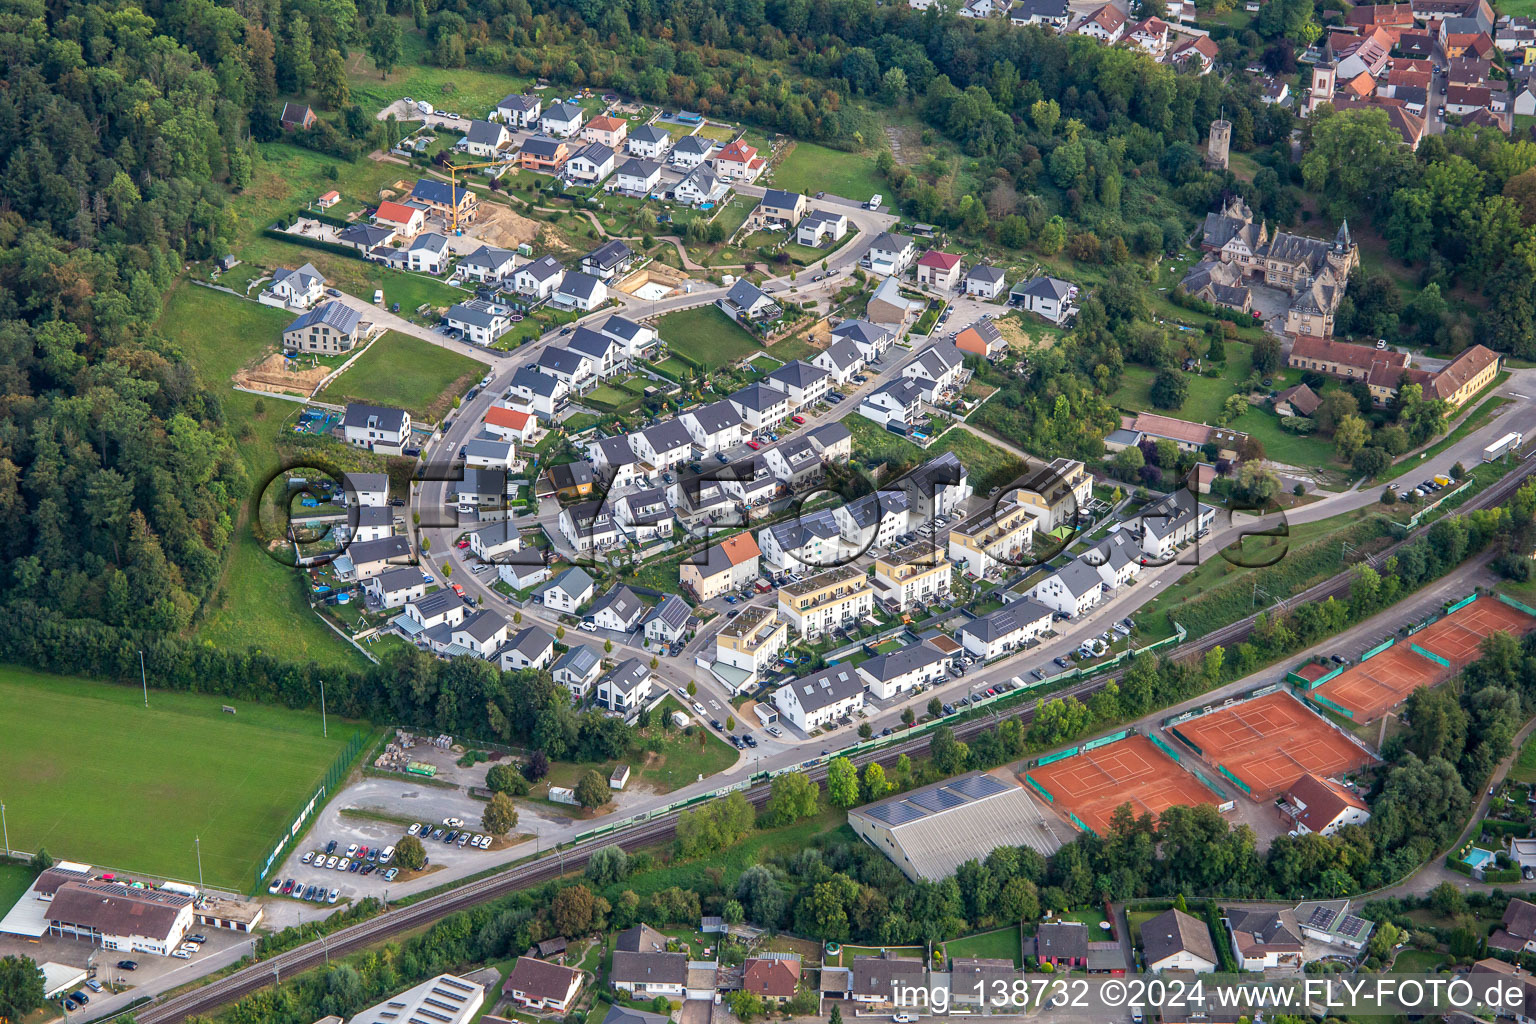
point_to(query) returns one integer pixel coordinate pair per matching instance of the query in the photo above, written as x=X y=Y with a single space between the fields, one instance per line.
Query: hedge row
x=313 y=243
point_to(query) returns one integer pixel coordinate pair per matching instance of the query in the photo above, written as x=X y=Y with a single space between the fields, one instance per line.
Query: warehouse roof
x=113 y=909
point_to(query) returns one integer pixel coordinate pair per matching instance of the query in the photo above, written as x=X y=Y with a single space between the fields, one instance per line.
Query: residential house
x=773 y=978
x=370 y=522
x=939 y=270
x=826 y=602
x=872 y=339
x=985 y=282
x=648 y=142
x=296 y=117
x=1049 y=297
x=1062 y=944
x=700 y=185
x=750 y=643
x=821 y=226
x=842 y=359
x=511 y=424
x=698 y=497
x=1151 y=34
x=1106 y=24
x=545 y=395
x=532 y=648
x=487 y=140
x=581 y=291
x=562 y=120
x=439 y=608
x=805 y=383
x=482 y=322
x=1201 y=52
x=1117 y=558
x=606 y=131
x=817 y=701
x=875 y=980
x=606 y=354
x=637 y=338
x=720 y=568
x=543 y=153
x=392 y=588
x=714 y=427
x=365 y=238
x=1072 y=590
x=761 y=405
x=489 y=453
x=797 y=464
x=578 y=668
x=493 y=540
x=482 y=488
x=664 y=446
x=428 y=253
x=568 y=591
x=520 y=110
x=1320 y=805
x=903 y=670
x=299 y=288
x=541 y=986
x=888 y=306
x=572 y=367
x=982 y=339
x=1172 y=521
x=1264 y=939
x=747 y=303
x=692 y=151
x=993 y=538
x=488 y=263
x=592 y=163
x=625 y=689
x=619 y=610
x=370 y=490
x=538 y=279
x=1009 y=628
x=1176 y=941
x=644 y=515
x=1052 y=13
x=329 y=329
x=481 y=634
x=649 y=974
x=739 y=162
x=1189 y=437
x=936 y=370
x=899 y=401
x=939 y=487
x=371 y=557
x=1057 y=492
x=445 y=199
x=377 y=428
x=588 y=526
x=668 y=622
x=637 y=176
x=750 y=480
x=1297 y=400
x=890 y=255
x=608 y=260
x=780 y=207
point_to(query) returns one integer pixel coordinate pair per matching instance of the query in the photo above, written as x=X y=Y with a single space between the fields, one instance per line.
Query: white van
x=378 y=296
x=387 y=855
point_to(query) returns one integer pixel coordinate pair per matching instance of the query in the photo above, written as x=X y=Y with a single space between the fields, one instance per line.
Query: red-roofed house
x=406 y=220
x=512 y=424
x=1200 y=51
x=1151 y=35
x=772 y=978
x=1464 y=376
x=606 y=131
x=1323 y=806
x=1388 y=16
x=1463 y=99
x=1106 y=24
x=1362 y=85
x=739 y=162
x=938 y=269
x=328 y=200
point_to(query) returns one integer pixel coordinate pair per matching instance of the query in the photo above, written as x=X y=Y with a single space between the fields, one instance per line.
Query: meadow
x=810 y=168
x=406 y=372
x=157 y=779
x=706 y=335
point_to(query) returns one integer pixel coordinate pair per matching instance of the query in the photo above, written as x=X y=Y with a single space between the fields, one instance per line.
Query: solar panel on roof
x=895 y=814
x=1352 y=926
x=1322 y=917
x=978 y=786
x=937 y=799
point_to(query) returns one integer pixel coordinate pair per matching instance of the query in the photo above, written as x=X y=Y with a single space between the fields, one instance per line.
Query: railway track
x=243 y=982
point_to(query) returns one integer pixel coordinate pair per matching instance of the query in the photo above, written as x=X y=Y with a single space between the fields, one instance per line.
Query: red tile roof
x=1325 y=800
x=776 y=978
x=513 y=419
x=740 y=548
x=395 y=213
x=939 y=260
x=1464 y=368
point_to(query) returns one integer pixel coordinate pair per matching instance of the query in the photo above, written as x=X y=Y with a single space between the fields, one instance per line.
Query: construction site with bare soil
x=280 y=374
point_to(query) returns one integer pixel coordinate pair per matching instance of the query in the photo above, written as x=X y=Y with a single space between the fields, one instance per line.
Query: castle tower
x=1344 y=253
x=1221 y=140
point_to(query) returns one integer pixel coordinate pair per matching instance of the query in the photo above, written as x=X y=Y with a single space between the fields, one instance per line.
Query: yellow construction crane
x=453 y=184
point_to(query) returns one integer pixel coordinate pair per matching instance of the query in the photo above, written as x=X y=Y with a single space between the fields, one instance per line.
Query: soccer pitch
x=87 y=773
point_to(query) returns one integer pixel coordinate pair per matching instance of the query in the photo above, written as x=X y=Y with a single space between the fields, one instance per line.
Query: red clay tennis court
x=1270 y=742
x=1092 y=784
x=1456 y=637
x=1377 y=685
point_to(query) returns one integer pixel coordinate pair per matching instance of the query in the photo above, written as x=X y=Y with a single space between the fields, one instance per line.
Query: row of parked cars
x=79 y=998
x=452 y=831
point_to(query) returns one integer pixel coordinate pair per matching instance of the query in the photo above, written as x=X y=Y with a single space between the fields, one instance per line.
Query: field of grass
x=706 y=335
x=260 y=604
x=399 y=370
x=157 y=778
x=1524 y=768
x=1002 y=944
x=468 y=92
x=1417 y=961
x=810 y=168
x=989 y=465
x=15 y=879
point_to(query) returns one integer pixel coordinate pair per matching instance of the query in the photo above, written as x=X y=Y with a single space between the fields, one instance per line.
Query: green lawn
x=989 y=466
x=15 y=879
x=156 y=778
x=399 y=370
x=1524 y=768
x=220 y=333
x=1417 y=961
x=461 y=90
x=706 y=335
x=1002 y=944
x=810 y=168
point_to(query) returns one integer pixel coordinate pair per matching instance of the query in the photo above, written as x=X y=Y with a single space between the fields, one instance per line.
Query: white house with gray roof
x=542 y=393
x=872 y=339
x=818 y=700
x=1071 y=590
x=811 y=542
x=538 y=279
x=1171 y=521
x=607 y=355
x=700 y=185
x=297 y=289
x=747 y=302
x=376 y=427
x=762 y=405
x=487 y=140
x=668 y=621
x=580 y=291
x=805 y=383
x=441 y=607
x=578 y=668
x=482 y=633
x=821 y=226
x=626 y=688
x=571 y=367
x=520 y=110
x=1008 y=628
x=714 y=427
x=649 y=142
x=637 y=176
x=663 y=446
x=619 y=610
x=936 y=369
x=488 y=263
x=842 y=359
x=589 y=526
x=644 y=515
x=637 y=338
x=691 y=151
x=985 y=282
x=494 y=540
x=482 y=322
x=394 y=587
x=591 y=164
x=562 y=120
x=1049 y=297
x=890 y=254
x=531 y=648
x=899 y=401
x=1117 y=558
x=568 y=591
x=428 y=253
x=900 y=671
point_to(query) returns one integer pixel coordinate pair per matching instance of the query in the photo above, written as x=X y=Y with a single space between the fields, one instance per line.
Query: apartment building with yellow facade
x=1056 y=492
x=993 y=538
x=827 y=600
x=912 y=576
x=748 y=644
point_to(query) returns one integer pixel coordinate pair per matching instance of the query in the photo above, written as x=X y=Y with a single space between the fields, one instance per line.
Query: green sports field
x=90 y=775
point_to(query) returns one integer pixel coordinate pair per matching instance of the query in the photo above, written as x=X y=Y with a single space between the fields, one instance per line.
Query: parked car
x=334 y=896
x=127 y=965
